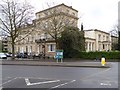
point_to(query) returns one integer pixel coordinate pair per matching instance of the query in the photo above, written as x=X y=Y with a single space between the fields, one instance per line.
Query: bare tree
x=15 y=15
x=54 y=22
x=116 y=33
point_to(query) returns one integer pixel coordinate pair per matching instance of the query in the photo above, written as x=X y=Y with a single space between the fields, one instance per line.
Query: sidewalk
x=90 y=64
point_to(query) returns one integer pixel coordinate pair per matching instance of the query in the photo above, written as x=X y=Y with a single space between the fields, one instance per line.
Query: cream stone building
x=97 y=40
x=39 y=41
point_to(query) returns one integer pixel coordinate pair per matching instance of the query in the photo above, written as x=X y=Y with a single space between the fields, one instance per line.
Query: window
x=107 y=38
x=67 y=21
x=46 y=24
x=86 y=45
x=89 y=46
x=28 y=39
x=103 y=46
x=46 y=13
x=73 y=13
x=99 y=37
x=32 y=38
x=30 y=49
x=51 y=48
x=26 y=49
x=67 y=11
x=18 y=49
x=103 y=37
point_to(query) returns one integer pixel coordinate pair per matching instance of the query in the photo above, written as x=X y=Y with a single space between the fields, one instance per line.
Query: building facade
x=40 y=41
x=97 y=40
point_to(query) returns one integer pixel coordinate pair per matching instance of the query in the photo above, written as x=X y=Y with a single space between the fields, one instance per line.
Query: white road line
x=63 y=84
x=105 y=84
x=8 y=81
x=28 y=82
x=0 y=88
x=94 y=74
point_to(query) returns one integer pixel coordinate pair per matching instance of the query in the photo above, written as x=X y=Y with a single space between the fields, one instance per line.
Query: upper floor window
x=32 y=38
x=73 y=13
x=103 y=37
x=67 y=11
x=46 y=13
x=28 y=39
x=39 y=16
x=99 y=37
x=107 y=38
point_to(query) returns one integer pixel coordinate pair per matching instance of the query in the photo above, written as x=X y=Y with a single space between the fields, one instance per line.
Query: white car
x=3 y=56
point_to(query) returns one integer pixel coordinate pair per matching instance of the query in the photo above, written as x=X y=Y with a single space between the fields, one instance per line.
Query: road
x=14 y=76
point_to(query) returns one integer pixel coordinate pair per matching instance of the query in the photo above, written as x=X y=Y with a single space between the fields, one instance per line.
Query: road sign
x=59 y=55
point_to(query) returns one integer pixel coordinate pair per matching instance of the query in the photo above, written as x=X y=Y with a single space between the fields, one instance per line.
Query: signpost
x=59 y=55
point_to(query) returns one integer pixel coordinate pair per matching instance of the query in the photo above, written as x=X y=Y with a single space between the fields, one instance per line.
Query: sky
x=94 y=14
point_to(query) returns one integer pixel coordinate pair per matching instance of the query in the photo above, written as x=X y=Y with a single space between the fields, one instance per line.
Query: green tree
x=72 y=41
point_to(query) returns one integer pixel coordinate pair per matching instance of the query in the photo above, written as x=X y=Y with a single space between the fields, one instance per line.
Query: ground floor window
x=51 y=48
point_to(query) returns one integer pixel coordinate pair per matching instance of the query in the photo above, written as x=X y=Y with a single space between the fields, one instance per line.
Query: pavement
x=52 y=62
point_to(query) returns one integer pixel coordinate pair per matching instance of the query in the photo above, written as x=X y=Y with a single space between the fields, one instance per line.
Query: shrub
x=94 y=55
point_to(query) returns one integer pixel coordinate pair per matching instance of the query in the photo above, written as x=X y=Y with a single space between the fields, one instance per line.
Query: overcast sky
x=94 y=14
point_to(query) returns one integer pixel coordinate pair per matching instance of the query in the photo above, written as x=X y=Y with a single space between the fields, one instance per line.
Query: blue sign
x=59 y=54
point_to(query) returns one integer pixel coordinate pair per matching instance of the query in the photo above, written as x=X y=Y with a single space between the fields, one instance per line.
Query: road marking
x=28 y=82
x=0 y=88
x=8 y=81
x=105 y=84
x=94 y=74
x=63 y=84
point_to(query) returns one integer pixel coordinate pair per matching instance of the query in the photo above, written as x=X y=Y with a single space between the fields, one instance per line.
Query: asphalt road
x=59 y=77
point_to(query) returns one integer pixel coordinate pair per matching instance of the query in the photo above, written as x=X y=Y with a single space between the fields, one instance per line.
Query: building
x=97 y=40
x=3 y=44
x=40 y=42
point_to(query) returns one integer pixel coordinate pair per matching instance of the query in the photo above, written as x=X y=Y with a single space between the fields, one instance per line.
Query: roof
x=96 y=30
x=57 y=6
x=114 y=36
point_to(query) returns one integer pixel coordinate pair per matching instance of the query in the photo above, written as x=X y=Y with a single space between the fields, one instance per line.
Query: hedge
x=98 y=55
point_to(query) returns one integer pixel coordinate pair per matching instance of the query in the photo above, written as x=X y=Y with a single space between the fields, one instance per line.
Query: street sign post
x=59 y=55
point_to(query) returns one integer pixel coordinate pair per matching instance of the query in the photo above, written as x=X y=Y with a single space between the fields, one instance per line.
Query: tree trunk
x=57 y=44
x=13 y=50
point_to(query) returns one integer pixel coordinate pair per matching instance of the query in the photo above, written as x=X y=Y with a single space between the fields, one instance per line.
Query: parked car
x=21 y=55
x=3 y=56
x=8 y=54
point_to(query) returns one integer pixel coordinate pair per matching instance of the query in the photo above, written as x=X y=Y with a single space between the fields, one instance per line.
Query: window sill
x=51 y=51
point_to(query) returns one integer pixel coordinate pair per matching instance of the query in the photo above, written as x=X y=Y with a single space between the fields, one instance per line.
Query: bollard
x=103 y=61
